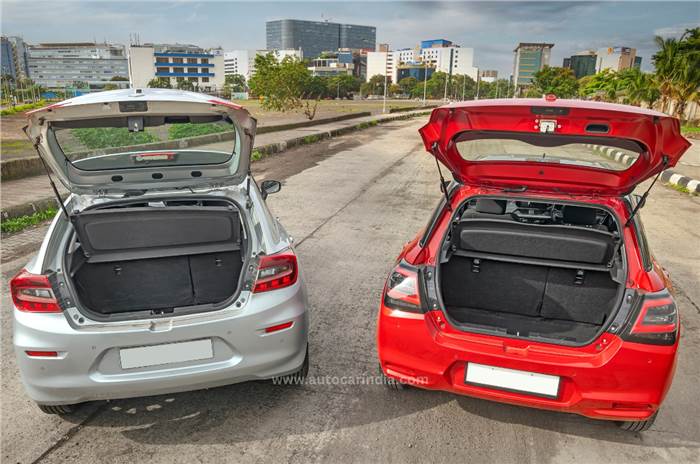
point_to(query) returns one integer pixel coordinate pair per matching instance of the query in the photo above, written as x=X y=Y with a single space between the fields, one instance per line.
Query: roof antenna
x=443 y=183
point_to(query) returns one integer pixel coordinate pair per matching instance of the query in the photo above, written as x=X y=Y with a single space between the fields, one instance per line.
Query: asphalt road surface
x=351 y=203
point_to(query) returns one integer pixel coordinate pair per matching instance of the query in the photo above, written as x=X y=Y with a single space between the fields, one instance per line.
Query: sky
x=492 y=28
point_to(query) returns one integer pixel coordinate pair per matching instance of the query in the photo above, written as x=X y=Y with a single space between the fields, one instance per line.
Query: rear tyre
x=62 y=409
x=638 y=426
x=295 y=378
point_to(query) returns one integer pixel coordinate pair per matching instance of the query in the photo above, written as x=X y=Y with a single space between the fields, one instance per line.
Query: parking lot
x=351 y=203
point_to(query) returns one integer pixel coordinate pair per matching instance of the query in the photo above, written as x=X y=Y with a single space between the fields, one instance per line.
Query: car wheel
x=638 y=426
x=62 y=409
x=298 y=377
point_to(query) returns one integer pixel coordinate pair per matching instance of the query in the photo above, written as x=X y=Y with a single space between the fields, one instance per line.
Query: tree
x=119 y=78
x=160 y=83
x=80 y=85
x=677 y=64
x=407 y=85
x=236 y=82
x=186 y=85
x=286 y=85
x=374 y=86
x=558 y=81
x=639 y=87
x=110 y=87
x=342 y=85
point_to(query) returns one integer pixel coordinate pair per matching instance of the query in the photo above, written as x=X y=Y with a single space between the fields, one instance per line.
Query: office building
x=315 y=37
x=529 y=58
x=57 y=65
x=243 y=61
x=419 y=71
x=442 y=55
x=332 y=64
x=14 y=57
x=582 y=64
x=615 y=58
x=637 y=62
x=204 y=68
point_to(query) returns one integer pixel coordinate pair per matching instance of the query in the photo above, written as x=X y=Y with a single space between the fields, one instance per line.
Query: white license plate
x=513 y=380
x=169 y=353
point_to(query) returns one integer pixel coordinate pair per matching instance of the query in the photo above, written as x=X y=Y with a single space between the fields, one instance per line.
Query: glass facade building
x=56 y=65
x=529 y=58
x=583 y=65
x=315 y=37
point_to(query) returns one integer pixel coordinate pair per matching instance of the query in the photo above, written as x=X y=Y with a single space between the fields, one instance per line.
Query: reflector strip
x=278 y=327
x=42 y=354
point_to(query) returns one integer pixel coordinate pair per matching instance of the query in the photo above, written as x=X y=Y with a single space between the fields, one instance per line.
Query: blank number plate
x=512 y=380
x=169 y=353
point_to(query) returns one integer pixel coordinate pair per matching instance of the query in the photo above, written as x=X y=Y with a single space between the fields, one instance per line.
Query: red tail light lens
x=656 y=322
x=402 y=290
x=275 y=272
x=32 y=293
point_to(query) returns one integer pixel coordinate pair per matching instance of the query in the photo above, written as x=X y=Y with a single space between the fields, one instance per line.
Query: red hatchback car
x=533 y=284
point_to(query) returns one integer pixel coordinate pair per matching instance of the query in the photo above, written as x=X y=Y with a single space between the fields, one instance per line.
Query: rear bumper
x=88 y=365
x=608 y=379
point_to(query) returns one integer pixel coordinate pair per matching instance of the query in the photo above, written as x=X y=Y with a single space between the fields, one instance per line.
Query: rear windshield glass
x=155 y=142
x=608 y=154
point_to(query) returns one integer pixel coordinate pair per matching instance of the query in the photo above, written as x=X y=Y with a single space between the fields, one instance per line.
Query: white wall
x=141 y=66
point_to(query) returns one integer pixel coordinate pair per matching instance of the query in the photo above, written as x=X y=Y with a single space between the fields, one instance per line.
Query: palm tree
x=665 y=62
x=640 y=88
x=678 y=69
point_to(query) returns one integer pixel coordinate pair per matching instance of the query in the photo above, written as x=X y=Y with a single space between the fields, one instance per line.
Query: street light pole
x=425 y=82
x=384 y=104
x=477 y=85
x=386 y=76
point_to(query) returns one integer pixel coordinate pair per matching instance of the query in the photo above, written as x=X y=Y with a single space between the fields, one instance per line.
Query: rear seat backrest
x=552 y=242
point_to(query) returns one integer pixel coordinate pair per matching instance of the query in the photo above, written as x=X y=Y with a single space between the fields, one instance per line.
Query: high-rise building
x=615 y=58
x=582 y=63
x=637 y=62
x=14 y=57
x=529 y=58
x=315 y=37
x=204 y=68
x=442 y=55
x=243 y=61
x=56 y=65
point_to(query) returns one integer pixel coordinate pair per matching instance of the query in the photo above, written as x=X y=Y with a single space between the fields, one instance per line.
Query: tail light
x=656 y=321
x=275 y=272
x=32 y=293
x=402 y=290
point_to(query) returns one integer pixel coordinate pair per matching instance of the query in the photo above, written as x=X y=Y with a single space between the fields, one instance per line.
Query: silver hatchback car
x=164 y=271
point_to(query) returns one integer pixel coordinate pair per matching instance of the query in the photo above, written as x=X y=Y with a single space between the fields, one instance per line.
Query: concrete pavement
x=351 y=208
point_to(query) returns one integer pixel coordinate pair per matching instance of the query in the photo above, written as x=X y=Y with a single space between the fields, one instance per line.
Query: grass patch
x=23 y=108
x=181 y=131
x=690 y=129
x=16 y=147
x=107 y=137
x=257 y=155
x=680 y=188
x=11 y=226
x=309 y=139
